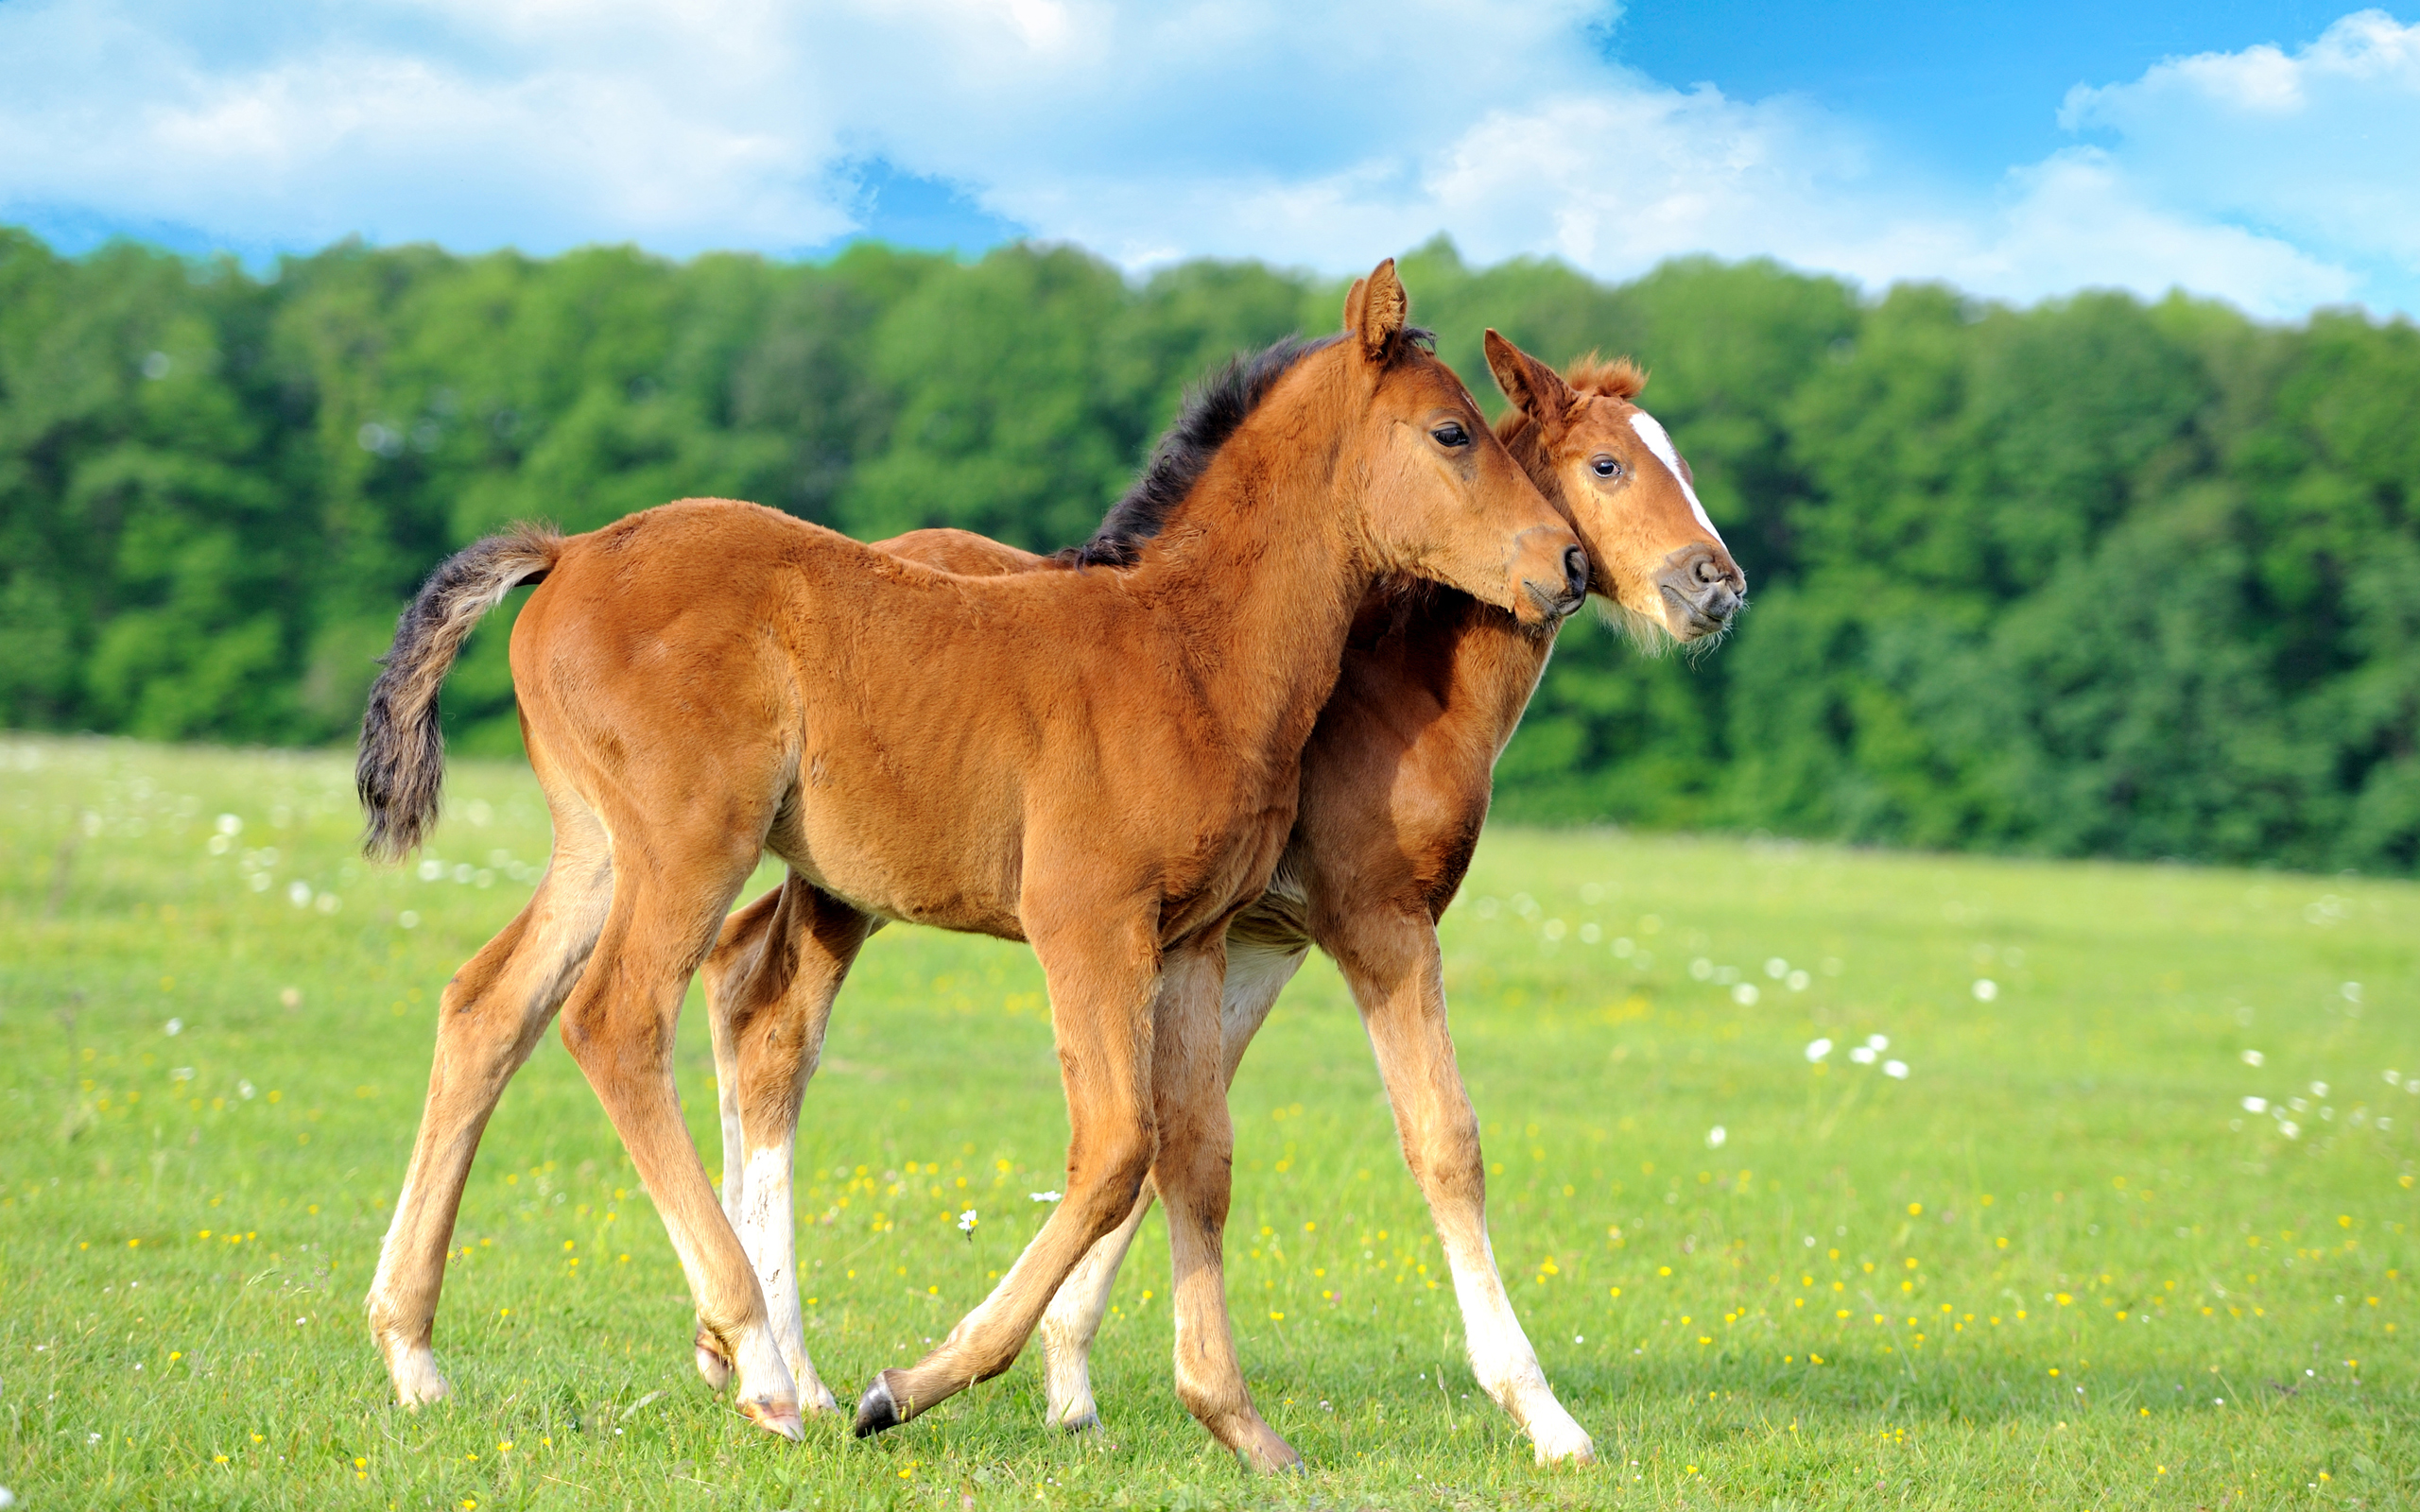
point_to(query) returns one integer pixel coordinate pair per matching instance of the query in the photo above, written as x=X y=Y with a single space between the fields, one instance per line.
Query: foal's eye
x=1606 y=466
x=1450 y=434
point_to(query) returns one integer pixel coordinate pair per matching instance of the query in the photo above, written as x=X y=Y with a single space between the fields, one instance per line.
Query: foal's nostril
x=1709 y=570
x=1575 y=571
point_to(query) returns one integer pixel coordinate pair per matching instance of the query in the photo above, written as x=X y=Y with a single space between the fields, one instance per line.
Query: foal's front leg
x=1390 y=960
x=1193 y=1174
x=1258 y=967
x=770 y=984
x=1102 y=979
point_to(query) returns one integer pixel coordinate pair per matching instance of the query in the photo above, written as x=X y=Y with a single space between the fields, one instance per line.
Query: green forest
x=2093 y=578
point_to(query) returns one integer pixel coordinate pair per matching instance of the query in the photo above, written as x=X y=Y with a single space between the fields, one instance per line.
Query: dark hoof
x=878 y=1409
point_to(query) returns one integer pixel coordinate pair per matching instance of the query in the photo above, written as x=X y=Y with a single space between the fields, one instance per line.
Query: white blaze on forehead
x=1651 y=432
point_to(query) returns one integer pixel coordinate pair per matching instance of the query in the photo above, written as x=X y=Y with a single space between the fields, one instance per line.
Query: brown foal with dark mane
x=1395 y=785
x=1102 y=762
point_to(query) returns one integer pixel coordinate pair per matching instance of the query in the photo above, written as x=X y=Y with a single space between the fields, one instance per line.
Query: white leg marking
x=1502 y=1359
x=769 y=1231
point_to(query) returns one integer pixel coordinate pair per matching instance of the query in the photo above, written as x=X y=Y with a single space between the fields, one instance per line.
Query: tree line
x=2092 y=577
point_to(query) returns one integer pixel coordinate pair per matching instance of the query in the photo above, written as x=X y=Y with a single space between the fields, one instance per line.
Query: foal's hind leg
x=770 y=984
x=1392 y=962
x=1257 y=969
x=489 y=1017
x=619 y=1026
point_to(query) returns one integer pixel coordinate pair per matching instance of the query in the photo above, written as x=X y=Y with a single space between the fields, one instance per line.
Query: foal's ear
x=1376 y=310
x=1536 y=391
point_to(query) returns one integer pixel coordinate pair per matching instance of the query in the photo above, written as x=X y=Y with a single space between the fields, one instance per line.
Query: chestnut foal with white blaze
x=1104 y=764
x=1396 y=785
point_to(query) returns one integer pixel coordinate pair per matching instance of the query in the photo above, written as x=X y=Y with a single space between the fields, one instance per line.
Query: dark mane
x=1212 y=413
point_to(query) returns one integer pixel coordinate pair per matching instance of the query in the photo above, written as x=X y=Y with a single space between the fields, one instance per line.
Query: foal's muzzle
x=1557 y=600
x=1702 y=588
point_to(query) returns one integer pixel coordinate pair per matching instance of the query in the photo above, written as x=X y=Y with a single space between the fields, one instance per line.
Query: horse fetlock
x=1067 y=1378
x=714 y=1364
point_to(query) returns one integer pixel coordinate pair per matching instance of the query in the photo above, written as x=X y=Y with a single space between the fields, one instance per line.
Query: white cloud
x=2322 y=147
x=1323 y=135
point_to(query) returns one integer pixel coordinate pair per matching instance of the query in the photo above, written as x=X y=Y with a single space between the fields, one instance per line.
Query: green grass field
x=2057 y=1262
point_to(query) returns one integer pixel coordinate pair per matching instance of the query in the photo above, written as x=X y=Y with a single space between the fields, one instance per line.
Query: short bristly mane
x=1610 y=378
x=1212 y=413
x=1615 y=378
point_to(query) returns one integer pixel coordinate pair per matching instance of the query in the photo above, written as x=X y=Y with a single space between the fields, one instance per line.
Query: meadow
x=1824 y=1179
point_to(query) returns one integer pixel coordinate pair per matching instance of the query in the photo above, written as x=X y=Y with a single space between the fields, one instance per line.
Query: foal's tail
x=403 y=752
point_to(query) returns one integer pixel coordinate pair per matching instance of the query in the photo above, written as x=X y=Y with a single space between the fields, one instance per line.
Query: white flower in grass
x=177 y=1027
x=1863 y=1054
x=1043 y=1196
x=299 y=894
x=1898 y=1070
x=1878 y=1042
x=1717 y=1137
x=1777 y=968
x=1800 y=981
x=2253 y=1057
x=2290 y=1129
x=1818 y=1049
x=1744 y=994
x=2319 y=1089
x=966 y=1222
x=2255 y=1105
x=1985 y=989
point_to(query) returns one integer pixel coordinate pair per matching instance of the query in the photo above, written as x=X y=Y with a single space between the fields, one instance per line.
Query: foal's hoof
x=1563 y=1443
x=712 y=1363
x=776 y=1418
x=1262 y=1450
x=878 y=1408
x=414 y=1369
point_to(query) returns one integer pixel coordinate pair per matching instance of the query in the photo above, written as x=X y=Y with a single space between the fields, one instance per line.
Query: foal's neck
x=1258 y=575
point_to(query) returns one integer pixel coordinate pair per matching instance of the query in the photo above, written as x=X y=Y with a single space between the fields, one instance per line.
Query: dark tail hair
x=401 y=764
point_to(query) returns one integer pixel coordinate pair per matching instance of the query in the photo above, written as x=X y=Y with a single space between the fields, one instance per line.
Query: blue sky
x=2263 y=153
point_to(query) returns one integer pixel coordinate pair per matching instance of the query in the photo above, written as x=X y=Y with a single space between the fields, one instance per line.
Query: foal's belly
x=951 y=873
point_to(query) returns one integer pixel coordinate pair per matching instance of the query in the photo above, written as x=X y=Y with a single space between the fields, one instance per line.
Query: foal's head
x=1444 y=499
x=1653 y=551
